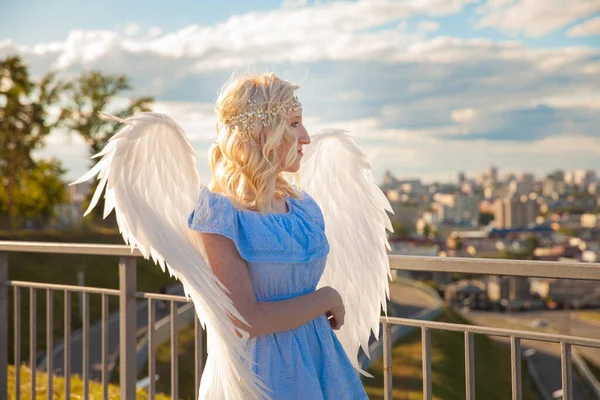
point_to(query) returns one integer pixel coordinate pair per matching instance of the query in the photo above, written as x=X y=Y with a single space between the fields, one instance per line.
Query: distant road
x=408 y=300
x=95 y=339
x=547 y=357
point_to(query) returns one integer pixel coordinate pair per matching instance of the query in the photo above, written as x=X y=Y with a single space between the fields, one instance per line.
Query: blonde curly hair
x=245 y=162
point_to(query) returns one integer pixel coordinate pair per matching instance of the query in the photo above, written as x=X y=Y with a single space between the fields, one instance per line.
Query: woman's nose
x=305 y=138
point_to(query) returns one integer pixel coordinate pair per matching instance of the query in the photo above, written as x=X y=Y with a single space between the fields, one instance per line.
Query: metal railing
x=129 y=297
x=540 y=269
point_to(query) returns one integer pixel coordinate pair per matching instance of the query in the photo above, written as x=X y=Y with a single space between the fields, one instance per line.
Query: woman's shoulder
x=309 y=207
x=297 y=235
x=213 y=213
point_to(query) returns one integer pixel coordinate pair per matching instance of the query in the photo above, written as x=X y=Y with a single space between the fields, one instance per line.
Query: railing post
x=566 y=371
x=4 y=326
x=387 y=361
x=127 y=327
x=470 y=365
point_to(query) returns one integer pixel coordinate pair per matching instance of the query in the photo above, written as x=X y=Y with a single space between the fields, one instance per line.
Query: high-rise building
x=520 y=187
x=389 y=180
x=527 y=177
x=457 y=208
x=493 y=174
x=515 y=212
x=509 y=177
x=552 y=188
x=583 y=178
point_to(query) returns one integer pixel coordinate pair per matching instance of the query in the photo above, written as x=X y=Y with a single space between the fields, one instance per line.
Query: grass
x=492 y=367
x=99 y=271
x=594 y=369
x=592 y=316
x=185 y=358
x=58 y=387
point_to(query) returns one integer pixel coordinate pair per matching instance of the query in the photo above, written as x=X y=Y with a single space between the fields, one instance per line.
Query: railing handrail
x=487 y=330
x=526 y=268
x=128 y=297
x=69 y=248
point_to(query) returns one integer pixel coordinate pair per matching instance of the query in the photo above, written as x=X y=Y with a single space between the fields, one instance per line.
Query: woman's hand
x=337 y=311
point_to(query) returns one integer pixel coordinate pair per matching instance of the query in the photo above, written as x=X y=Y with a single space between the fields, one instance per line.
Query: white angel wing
x=336 y=174
x=149 y=171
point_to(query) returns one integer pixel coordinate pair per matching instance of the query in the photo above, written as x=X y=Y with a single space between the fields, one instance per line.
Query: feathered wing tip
x=148 y=175
x=336 y=174
x=110 y=117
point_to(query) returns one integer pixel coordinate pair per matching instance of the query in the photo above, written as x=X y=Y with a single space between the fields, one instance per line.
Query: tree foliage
x=37 y=191
x=93 y=93
x=400 y=230
x=485 y=218
x=30 y=110
x=25 y=122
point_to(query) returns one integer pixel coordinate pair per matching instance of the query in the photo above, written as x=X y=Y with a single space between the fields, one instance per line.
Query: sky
x=427 y=87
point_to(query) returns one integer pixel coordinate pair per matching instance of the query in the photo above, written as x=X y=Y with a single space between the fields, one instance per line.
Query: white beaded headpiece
x=245 y=121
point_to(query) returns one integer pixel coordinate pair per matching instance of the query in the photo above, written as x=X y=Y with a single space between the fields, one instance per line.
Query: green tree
x=458 y=243
x=92 y=93
x=400 y=230
x=426 y=230
x=25 y=122
x=531 y=243
x=485 y=218
x=556 y=175
x=39 y=190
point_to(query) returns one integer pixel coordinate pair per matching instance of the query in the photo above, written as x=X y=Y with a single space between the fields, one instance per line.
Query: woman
x=265 y=241
x=253 y=251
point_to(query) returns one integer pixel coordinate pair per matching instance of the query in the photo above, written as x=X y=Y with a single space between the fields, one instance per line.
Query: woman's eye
x=295 y=124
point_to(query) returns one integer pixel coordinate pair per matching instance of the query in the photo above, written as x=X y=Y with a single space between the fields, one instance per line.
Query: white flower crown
x=245 y=121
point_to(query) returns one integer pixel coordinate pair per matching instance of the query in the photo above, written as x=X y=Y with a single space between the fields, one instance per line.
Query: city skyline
x=502 y=172
x=429 y=87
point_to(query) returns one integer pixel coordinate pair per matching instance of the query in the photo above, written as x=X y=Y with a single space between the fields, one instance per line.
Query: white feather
x=336 y=174
x=152 y=183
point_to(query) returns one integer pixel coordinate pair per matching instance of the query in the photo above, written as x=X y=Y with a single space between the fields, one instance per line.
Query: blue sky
x=428 y=87
x=58 y=18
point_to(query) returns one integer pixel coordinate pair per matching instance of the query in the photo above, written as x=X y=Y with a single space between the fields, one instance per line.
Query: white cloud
x=294 y=3
x=409 y=98
x=463 y=115
x=132 y=29
x=154 y=32
x=440 y=159
x=350 y=95
x=86 y=47
x=535 y=18
x=197 y=119
x=428 y=26
x=588 y=28
x=336 y=30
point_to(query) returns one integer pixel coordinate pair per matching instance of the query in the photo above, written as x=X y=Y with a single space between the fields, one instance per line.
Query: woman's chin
x=293 y=168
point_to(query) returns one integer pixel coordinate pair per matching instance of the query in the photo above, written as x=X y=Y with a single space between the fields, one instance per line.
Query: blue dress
x=286 y=255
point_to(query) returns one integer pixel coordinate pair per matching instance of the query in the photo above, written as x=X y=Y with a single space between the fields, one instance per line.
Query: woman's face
x=296 y=127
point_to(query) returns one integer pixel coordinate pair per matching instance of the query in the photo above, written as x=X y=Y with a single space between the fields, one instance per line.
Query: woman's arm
x=265 y=317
